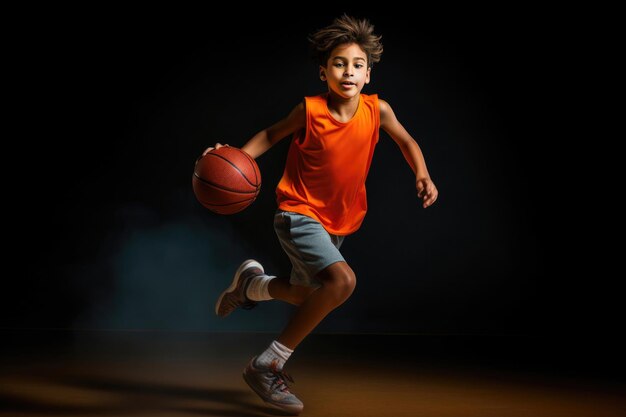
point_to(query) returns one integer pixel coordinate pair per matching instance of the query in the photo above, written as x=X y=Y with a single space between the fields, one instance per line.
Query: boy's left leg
x=264 y=372
x=311 y=249
x=338 y=282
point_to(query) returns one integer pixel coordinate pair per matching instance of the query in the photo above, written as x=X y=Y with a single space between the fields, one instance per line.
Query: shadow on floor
x=63 y=394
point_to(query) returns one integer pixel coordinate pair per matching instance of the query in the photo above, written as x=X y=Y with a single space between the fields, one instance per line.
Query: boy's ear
x=322 y=73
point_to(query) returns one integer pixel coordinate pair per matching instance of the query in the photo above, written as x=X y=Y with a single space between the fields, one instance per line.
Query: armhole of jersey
x=377 y=116
x=307 y=121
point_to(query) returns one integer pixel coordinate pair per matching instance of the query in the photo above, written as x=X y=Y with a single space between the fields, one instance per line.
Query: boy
x=321 y=197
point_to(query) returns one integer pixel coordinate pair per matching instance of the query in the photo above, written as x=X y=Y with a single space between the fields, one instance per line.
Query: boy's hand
x=210 y=148
x=427 y=191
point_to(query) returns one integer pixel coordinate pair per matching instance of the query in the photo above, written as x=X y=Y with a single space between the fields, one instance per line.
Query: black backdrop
x=104 y=231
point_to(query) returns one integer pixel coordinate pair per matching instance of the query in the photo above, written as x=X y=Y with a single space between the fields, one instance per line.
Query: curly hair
x=346 y=29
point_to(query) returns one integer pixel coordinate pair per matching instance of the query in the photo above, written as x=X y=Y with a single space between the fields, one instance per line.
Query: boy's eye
x=339 y=64
x=359 y=66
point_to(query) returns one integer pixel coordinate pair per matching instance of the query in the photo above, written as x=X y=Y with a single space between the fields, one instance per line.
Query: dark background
x=104 y=232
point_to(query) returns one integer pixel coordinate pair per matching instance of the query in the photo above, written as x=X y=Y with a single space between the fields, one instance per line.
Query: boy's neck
x=341 y=108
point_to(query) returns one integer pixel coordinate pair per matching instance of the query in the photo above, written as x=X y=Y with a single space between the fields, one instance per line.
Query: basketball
x=226 y=180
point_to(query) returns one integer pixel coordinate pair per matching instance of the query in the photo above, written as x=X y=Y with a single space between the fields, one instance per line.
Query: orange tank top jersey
x=327 y=165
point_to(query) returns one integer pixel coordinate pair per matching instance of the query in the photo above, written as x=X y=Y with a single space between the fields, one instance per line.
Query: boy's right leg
x=249 y=274
x=282 y=289
x=264 y=372
x=250 y=285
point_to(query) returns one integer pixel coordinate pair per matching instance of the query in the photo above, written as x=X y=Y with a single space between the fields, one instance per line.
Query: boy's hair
x=346 y=29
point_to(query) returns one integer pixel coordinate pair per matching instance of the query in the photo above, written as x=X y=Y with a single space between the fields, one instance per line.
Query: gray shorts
x=309 y=246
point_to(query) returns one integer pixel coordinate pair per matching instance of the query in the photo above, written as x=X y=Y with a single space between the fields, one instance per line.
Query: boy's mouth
x=348 y=83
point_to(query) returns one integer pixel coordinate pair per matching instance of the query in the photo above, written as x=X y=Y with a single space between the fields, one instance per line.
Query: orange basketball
x=226 y=180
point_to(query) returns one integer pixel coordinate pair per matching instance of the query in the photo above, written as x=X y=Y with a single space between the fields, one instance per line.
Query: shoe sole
x=294 y=409
x=244 y=265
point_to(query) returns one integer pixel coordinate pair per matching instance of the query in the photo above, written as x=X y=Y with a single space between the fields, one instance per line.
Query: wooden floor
x=107 y=373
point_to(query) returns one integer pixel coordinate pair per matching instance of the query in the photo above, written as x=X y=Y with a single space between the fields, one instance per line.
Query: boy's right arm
x=267 y=138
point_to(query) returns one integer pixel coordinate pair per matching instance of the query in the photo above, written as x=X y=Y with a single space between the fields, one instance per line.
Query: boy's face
x=346 y=71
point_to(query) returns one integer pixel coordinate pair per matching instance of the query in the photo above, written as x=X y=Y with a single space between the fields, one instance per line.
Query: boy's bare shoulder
x=383 y=106
x=386 y=113
x=297 y=117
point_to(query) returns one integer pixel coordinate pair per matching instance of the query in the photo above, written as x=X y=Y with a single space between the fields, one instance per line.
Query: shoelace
x=279 y=379
x=234 y=303
x=249 y=304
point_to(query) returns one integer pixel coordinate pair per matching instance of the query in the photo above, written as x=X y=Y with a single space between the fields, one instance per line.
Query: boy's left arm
x=426 y=189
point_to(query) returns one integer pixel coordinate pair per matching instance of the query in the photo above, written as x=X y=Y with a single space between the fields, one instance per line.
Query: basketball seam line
x=230 y=204
x=252 y=162
x=222 y=187
x=234 y=166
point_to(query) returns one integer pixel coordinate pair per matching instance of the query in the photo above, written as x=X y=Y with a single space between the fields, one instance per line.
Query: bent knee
x=347 y=283
x=340 y=279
